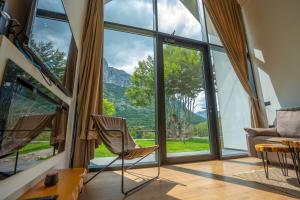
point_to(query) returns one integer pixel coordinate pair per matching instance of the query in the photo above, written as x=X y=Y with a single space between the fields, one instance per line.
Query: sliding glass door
x=186 y=131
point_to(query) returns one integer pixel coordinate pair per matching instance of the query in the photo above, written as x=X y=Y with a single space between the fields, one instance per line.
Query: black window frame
x=214 y=127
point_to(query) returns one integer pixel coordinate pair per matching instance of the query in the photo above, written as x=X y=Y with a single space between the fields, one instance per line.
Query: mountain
x=202 y=114
x=142 y=117
x=115 y=76
x=115 y=83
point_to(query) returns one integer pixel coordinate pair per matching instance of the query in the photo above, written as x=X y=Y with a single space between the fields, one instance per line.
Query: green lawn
x=173 y=146
x=32 y=147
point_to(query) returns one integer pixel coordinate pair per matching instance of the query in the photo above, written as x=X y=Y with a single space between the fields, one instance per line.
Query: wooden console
x=68 y=187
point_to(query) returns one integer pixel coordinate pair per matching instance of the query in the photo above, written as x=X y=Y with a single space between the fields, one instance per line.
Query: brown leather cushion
x=288 y=123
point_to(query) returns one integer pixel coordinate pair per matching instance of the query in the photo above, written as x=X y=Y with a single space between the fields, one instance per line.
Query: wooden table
x=68 y=187
x=294 y=148
x=280 y=149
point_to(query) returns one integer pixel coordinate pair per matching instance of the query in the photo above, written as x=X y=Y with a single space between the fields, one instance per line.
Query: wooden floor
x=201 y=180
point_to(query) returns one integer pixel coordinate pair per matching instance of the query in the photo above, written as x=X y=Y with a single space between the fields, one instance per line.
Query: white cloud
x=57 y=32
x=124 y=50
x=201 y=102
x=173 y=15
x=137 y=13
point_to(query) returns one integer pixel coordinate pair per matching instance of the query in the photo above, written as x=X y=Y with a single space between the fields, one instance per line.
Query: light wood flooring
x=193 y=181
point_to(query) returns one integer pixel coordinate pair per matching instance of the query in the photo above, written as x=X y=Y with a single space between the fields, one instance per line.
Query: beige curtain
x=226 y=16
x=59 y=126
x=90 y=83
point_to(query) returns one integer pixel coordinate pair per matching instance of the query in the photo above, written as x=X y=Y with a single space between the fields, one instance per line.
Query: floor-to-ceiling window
x=233 y=107
x=158 y=76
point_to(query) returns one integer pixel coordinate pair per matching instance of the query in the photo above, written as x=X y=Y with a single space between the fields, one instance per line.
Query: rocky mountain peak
x=116 y=76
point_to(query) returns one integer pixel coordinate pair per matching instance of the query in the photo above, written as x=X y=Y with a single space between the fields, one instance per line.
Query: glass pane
x=181 y=17
x=51 y=5
x=137 y=13
x=129 y=87
x=51 y=40
x=213 y=36
x=233 y=106
x=185 y=101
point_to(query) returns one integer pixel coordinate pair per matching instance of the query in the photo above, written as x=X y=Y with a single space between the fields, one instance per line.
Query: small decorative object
x=51 y=179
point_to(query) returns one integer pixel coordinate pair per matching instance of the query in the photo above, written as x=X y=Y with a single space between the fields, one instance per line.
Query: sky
x=53 y=5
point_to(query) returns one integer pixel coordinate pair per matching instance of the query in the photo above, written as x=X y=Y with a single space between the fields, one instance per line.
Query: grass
x=173 y=146
x=32 y=147
x=199 y=144
x=41 y=142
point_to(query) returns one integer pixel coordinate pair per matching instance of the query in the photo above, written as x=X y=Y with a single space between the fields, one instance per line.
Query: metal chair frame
x=136 y=188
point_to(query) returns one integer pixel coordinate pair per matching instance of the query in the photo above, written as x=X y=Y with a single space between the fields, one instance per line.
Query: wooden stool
x=294 y=148
x=281 y=151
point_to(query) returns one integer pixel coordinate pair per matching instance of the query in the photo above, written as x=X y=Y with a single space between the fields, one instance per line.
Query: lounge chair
x=115 y=136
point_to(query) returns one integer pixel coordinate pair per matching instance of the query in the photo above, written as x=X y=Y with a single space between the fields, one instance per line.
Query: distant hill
x=202 y=114
x=144 y=118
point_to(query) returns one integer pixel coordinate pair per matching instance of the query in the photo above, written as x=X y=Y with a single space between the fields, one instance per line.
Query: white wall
x=12 y=187
x=273 y=31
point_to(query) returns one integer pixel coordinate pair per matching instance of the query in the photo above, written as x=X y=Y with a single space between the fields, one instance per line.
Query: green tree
x=141 y=92
x=183 y=83
x=54 y=58
x=201 y=129
x=109 y=108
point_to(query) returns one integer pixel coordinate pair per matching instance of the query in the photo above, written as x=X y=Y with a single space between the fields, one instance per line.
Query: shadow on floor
x=97 y=188
x=258 y=163
x=228 y=179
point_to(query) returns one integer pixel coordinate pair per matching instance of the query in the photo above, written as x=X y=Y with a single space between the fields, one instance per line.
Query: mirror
x=32 y=122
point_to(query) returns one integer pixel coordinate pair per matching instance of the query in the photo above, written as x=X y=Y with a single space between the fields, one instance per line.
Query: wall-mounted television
x=50 y=43
x=32 y=122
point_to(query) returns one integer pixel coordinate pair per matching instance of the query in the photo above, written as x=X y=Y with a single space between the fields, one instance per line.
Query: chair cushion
x=269 y=140
x=288 y=123
x=139 y=152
